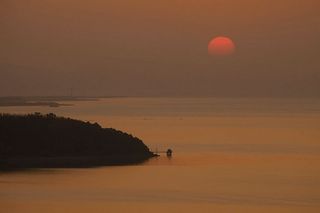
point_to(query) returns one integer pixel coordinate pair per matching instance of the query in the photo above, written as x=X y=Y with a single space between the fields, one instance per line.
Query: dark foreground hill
x=44 y=141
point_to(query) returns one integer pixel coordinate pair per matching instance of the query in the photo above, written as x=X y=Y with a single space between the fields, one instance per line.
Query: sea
x=229 y=155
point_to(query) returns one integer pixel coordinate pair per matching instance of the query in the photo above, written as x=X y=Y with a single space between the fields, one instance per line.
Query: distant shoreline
x=46 y=104
x=48 y=101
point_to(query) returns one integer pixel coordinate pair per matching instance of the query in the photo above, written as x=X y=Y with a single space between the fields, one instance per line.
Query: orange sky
x=159 y=48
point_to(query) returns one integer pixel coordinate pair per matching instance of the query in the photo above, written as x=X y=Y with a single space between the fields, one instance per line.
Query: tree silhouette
x=49 y=136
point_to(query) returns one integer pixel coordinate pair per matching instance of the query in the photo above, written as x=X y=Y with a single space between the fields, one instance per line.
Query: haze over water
x=230 y=155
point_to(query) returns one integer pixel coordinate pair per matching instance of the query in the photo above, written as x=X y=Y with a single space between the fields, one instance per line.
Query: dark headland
x=49 y=141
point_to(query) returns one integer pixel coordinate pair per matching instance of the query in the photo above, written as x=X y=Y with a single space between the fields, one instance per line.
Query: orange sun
x=221 y=46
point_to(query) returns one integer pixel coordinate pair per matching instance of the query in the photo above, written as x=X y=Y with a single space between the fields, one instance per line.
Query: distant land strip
x=50 y=101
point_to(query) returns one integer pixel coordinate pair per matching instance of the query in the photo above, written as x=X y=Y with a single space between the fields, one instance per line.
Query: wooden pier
x=168 y=152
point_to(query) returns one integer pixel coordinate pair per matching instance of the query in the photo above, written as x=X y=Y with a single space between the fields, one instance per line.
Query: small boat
x=169 y=152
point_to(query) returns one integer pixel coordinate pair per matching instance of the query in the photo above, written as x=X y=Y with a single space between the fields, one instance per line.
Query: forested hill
x=63 y=142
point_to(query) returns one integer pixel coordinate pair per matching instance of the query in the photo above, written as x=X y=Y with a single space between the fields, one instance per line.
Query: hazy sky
x=159 y=48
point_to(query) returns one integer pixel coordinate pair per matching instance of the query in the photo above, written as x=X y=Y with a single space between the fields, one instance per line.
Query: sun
x=222 y=46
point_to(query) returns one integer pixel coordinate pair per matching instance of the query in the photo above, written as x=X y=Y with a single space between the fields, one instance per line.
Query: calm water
x=230 y=155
